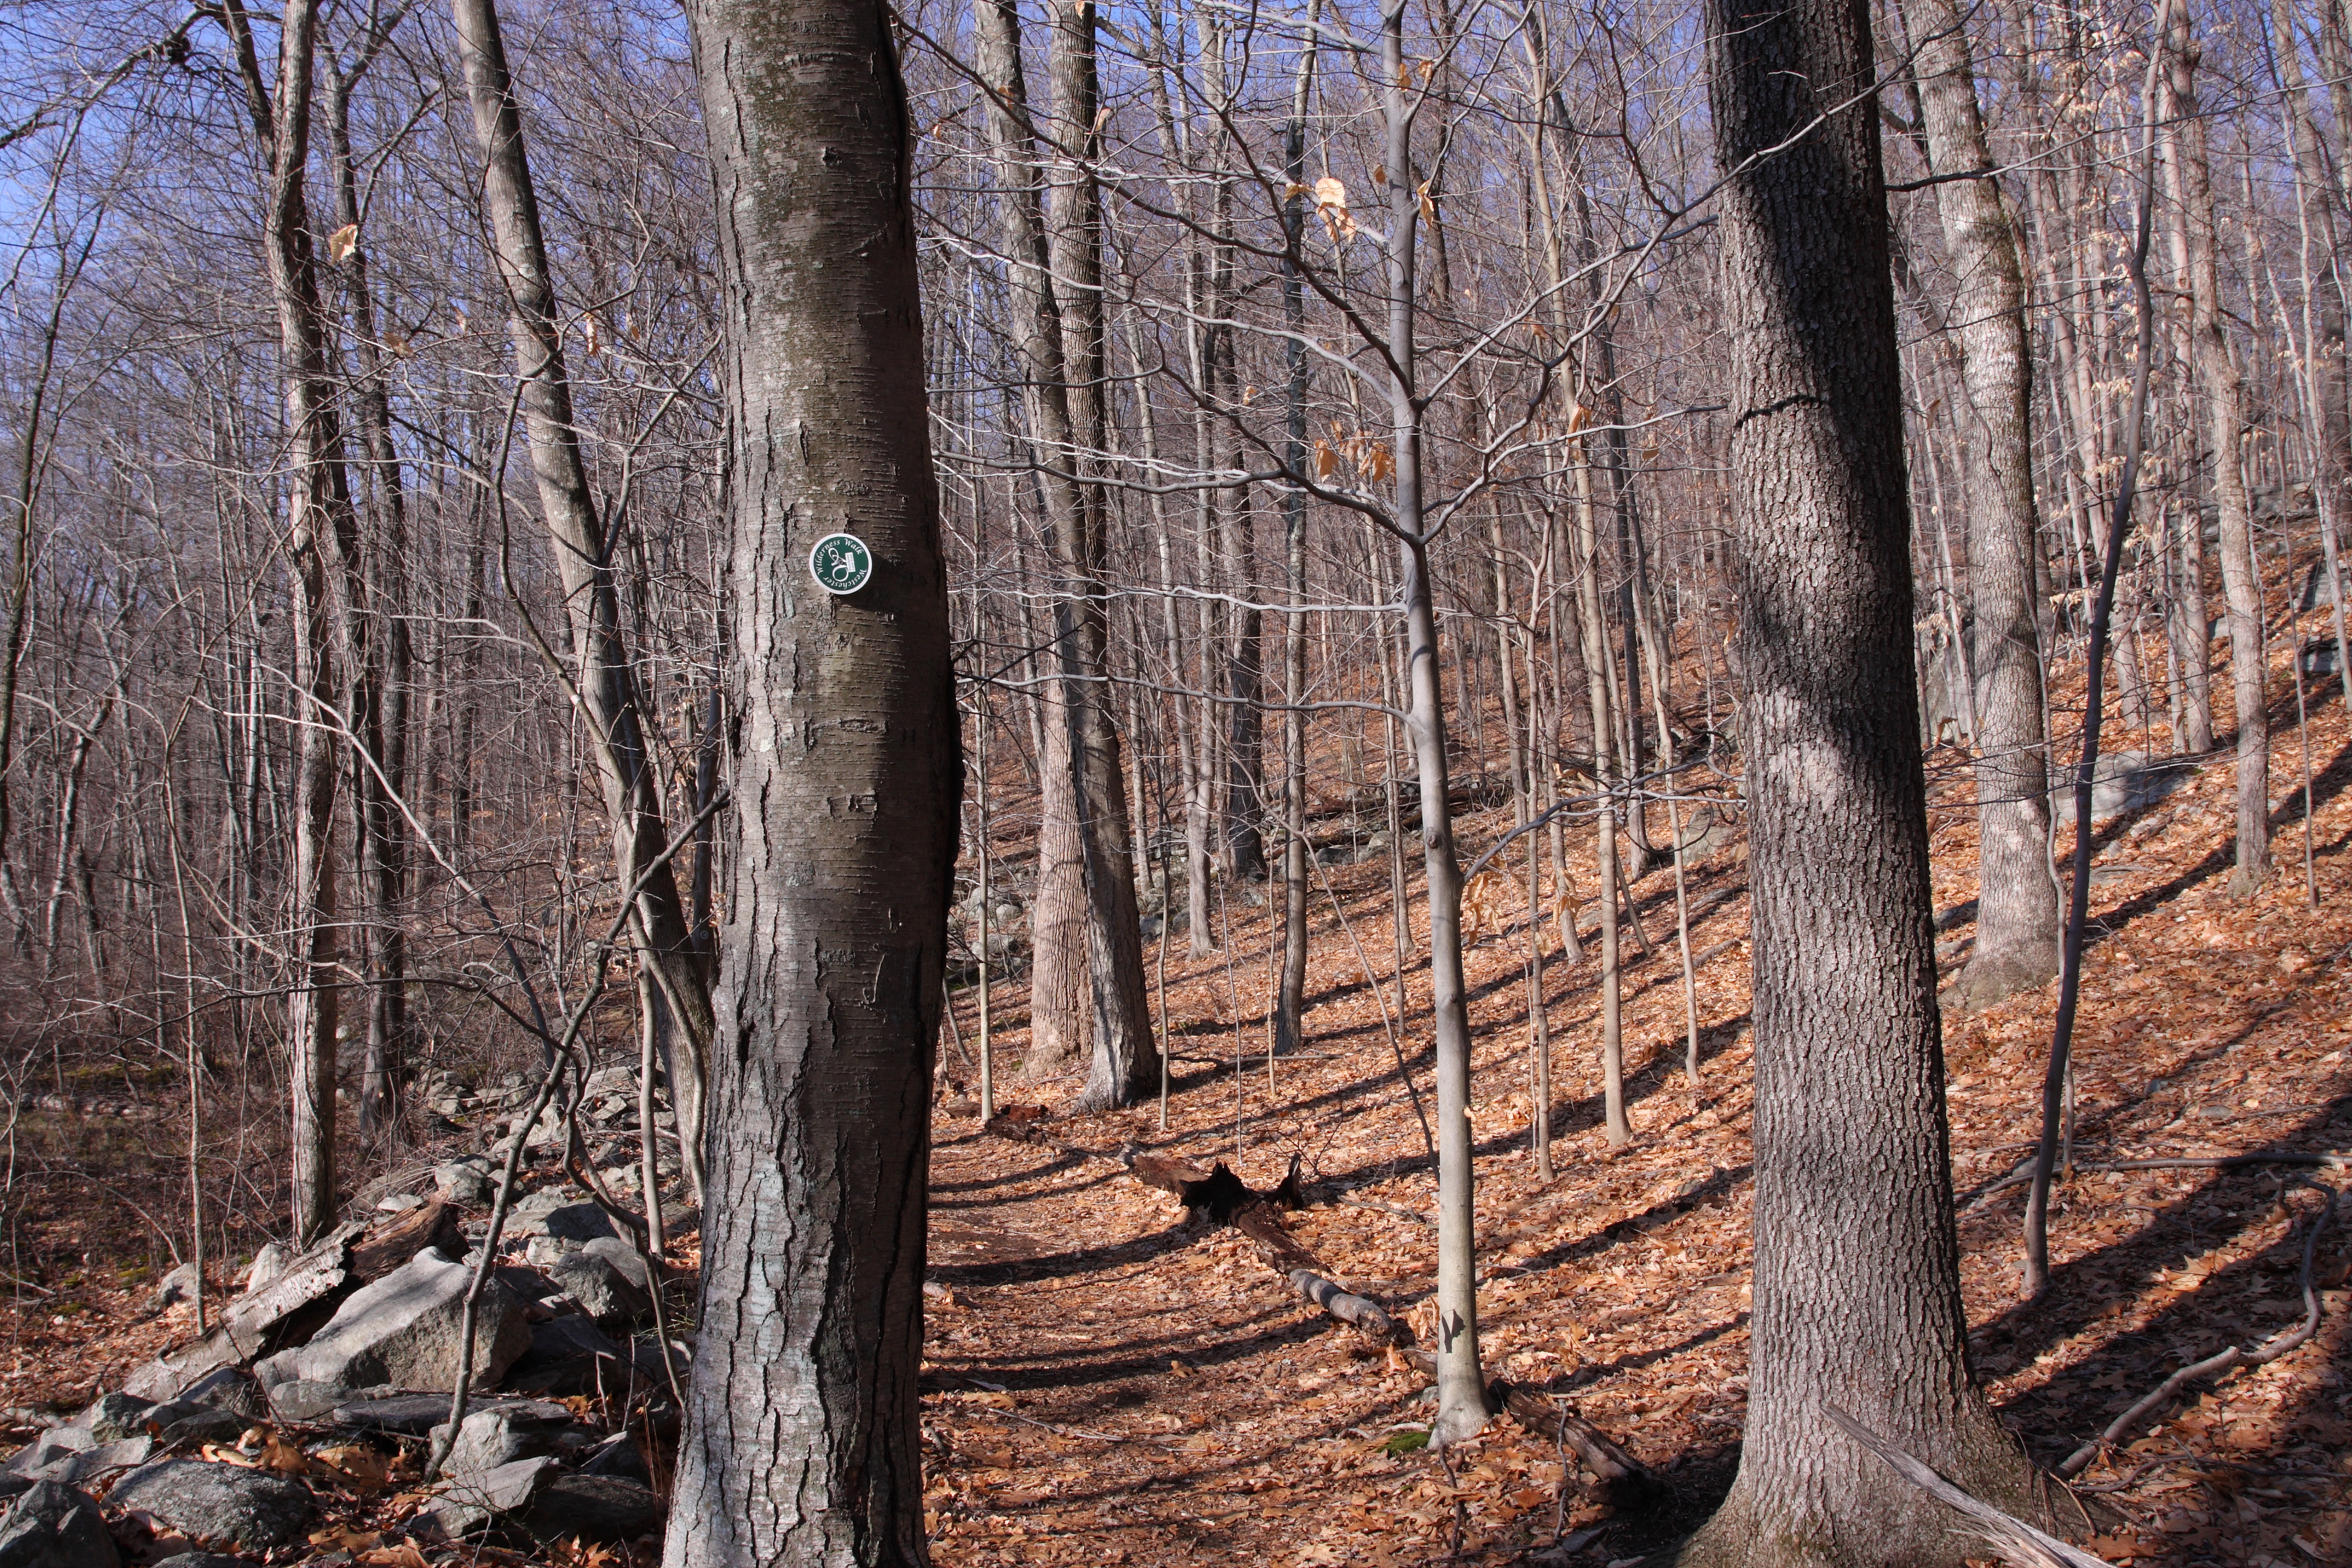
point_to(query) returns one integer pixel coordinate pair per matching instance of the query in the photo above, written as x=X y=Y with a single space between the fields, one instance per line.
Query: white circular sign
x=840 y=563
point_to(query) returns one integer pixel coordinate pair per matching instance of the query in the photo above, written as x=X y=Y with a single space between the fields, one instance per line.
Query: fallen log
x=1219 y=1196
x=286 y=1309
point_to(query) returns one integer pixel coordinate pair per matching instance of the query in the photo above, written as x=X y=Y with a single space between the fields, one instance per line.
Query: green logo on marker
x=840 y=563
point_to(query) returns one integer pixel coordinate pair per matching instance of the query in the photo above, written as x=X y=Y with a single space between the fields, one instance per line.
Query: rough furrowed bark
x=802 y=1436
x=1857 y=1279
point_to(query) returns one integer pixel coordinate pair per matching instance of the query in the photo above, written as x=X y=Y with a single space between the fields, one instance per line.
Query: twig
x=2232 y=1356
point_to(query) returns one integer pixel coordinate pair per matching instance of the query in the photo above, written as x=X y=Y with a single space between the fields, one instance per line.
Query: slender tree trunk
x=381 y=649
x=320 y=537
x=1291 y=1000
x=2225 y=415
x=802 y=1425
x=606 y=679
x=1857 y=1299
x=2017 y=906
x=1461 y=1383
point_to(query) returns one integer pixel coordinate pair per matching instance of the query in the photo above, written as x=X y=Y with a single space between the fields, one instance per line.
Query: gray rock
x=13 y=1486
x=215 y=1560
x=596 y=1508
x=501 y=1434
x=229 y=1388
x=254 y=1508
x=470 y=1503
x=113 y=1418
x=180 y=1284
x=54 y=1526
x=610 y=1298
x=76 y=1469
x=408 y=1414
x=623 y=1257
x=403 y=1330
x=185 y=1421
x=464 y=1183
x=56 y=1443
x=618 y=1456
x=268 y=1265
x=569 y=1355
x=303 y=1399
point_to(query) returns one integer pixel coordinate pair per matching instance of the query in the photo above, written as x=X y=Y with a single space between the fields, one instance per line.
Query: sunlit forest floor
x=1108 y=1386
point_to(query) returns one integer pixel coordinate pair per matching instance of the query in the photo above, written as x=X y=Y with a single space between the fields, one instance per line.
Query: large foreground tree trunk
x=802 y=1425
x=1857 y=1299
x=2017 y=905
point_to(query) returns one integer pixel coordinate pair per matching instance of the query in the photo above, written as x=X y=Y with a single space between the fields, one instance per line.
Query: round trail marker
x=840 y=563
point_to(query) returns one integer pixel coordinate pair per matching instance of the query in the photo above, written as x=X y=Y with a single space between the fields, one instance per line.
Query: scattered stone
x=399 y=1203
x=180 y=1284
x=561 y=1213
x=407 y=1415
x=405 y=1330
x=596 y=1508
x=218 y=1560
x=54 y=1526
x=470 y=1503
x=611 y=1299
x=105 y=1459
x=500 y=1433
x=464 y=1183
x=569 y=1355
x=113 y=1418
x=618 y=1456
x=268 y=1265
x=252 y=1508
x=232 y=1388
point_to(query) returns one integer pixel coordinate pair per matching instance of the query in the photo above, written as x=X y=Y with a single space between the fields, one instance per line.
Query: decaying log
x=1216 y=1195
x=287 y=1308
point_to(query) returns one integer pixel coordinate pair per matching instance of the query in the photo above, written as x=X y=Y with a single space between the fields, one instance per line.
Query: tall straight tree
x=1857 y=1290
x=2197 y=250
x=321 y=538
x=803 y=1429
x=607 y=681
x=1087 y=987
x=2017 y=903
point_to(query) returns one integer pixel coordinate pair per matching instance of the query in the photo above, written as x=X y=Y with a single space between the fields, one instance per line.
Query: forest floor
x=1108 y=1386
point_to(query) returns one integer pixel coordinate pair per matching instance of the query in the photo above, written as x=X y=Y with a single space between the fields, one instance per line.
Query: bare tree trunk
x=1461 y=1383
x=380 y=646
x=1857 y=1262
x=606 y=680
x=2225 y=413
x=2017 y=906
x=1291 y=998
x=319 y=540
x=804 y=1431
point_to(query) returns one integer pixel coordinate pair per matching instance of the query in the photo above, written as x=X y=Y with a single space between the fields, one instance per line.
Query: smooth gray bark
x=802 y=1436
